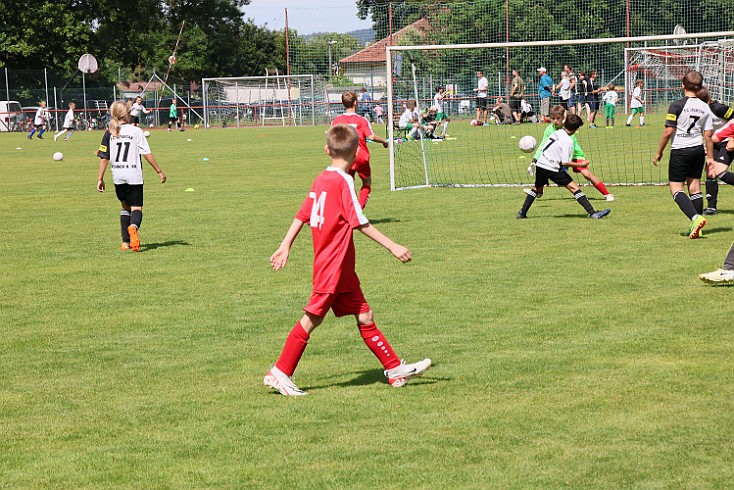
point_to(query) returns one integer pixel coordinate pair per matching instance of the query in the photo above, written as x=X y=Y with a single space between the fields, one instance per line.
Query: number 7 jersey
x=332 y=210
x=124 y=154
x=690 y=117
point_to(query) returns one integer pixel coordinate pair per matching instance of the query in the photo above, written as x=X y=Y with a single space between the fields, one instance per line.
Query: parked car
x=10 y=116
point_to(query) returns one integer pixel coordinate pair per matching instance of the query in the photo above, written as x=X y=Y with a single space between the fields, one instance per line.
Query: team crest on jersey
x=671 y=117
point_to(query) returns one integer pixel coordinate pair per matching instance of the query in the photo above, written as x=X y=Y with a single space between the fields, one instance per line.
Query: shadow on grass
x=152 y=246
x=708 y=231
x=373 y=376
x=725 y=211
x=384 y=220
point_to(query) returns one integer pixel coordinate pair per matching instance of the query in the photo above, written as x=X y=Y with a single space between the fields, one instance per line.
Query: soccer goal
x=270 y=100
x=661 y=69
x=480 y=148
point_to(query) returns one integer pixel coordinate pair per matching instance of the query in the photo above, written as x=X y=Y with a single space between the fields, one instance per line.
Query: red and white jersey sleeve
x=361 y=124
x=332 y=210
x=725 y=132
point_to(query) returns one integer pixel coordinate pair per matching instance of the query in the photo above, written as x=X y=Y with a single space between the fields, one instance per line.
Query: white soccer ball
x=151 y=125
x=58 y=156
x=146 y=133
x=527 y=144
x=474 y=122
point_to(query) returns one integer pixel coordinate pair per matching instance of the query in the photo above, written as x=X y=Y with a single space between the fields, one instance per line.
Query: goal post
x=270 y=100
x=488 y=155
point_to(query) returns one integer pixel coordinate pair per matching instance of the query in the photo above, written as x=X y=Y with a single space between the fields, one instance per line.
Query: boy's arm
x=151 y=160
x=379 y=139
x=709 y=146
x=280 y=257
x=400 y=252
x=667 y=134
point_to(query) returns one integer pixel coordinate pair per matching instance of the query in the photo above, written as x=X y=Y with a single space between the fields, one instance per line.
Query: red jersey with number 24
x=364 y=129
x=332 y=210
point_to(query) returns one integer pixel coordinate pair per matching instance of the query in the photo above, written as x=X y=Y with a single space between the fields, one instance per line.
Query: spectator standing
x=545 y=91
x=517 y=92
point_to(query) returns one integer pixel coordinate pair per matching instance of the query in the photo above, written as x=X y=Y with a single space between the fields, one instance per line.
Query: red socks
x=601 y=188
x=364 y=195
x=379 y=345
x=293 y=349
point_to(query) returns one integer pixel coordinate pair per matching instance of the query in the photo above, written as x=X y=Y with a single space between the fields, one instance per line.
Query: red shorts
x=361 y=166
x=342 y=304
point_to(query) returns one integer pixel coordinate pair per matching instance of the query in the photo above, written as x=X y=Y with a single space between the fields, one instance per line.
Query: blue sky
x=307 y=16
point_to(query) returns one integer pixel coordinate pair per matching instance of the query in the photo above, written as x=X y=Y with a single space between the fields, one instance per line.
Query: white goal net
x=464 y=154
x=272 y=100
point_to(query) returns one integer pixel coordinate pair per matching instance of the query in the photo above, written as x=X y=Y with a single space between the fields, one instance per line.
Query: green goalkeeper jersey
x=578 y=153
x=173 y=111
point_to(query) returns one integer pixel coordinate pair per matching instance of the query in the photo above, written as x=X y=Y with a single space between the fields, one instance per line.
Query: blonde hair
x=119 y=112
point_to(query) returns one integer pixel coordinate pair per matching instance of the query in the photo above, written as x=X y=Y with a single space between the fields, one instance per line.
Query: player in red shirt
x=332 y=211
x=361 y=164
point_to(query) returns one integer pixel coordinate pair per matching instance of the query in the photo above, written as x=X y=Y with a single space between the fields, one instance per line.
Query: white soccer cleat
x=718 y=277
x=609 y=197
x=282 y=383
x=400 y=375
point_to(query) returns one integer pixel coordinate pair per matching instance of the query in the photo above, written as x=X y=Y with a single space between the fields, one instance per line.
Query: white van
x=10 y=115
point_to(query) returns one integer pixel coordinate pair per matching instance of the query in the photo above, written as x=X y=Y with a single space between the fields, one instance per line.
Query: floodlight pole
x=331 y=66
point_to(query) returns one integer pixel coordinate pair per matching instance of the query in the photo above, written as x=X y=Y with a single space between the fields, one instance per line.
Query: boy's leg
x=376 y=341
x=596 y=181
x=68 y=136
x=33 y=130
x=581 y=197
x=629 y=119
x=296 y=342
x=58 y=135
x=541 y=180
x=712 y=195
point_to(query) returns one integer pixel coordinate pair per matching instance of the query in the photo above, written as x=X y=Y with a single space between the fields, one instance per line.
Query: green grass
x=568 y=352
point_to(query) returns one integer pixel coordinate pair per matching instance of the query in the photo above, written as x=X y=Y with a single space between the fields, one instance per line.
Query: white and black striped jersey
x=558 y=150
x=690 y=116
x=124 y=153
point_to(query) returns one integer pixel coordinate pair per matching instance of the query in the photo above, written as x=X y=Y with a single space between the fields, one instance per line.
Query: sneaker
x=600 y=214
x=696 y=225
x=609 y=198
x=627 y=125
x=169 y=130
x=521 y=215
x=710 y=211
x=719 y=277
x=56 y=137
x=281 y=382
x=39 y=137
x=400 y=375
x=30 y=137
x=592 y=125
x=134 y=238
x=125 y=246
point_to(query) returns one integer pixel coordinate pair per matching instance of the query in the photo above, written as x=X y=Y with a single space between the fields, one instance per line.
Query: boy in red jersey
x=361 y=164
x=332 y=211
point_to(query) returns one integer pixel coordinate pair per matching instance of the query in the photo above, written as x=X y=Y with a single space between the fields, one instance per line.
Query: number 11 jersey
x=124 y=153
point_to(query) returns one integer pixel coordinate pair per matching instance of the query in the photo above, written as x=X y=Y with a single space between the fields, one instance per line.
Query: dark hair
x=439 y=88
x=342 y=141
x=704 y=95
x=573 y=122
x=349 y=98
x=693 y=81
x=480 y=71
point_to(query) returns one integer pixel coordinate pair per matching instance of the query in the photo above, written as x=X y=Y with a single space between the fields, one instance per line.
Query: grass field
x=568 y=352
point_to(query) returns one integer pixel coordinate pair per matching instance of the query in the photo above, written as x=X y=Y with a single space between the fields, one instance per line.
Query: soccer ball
x=58 y=156
x=146 y=133
x=151 y=125
x=474 y=122
x=527 y=144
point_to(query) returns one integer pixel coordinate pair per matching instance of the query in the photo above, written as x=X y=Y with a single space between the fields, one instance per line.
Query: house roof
x=375 y=53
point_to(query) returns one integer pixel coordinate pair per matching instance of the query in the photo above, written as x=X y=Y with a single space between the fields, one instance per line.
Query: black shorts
x=721 y=155
x=481 y=102
x=130 y=194
x=593 y=105
x=542 y=176
x=173 y=119
x=134 y=119
x=515 y=104
x=70 y=128
x=686 y=163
